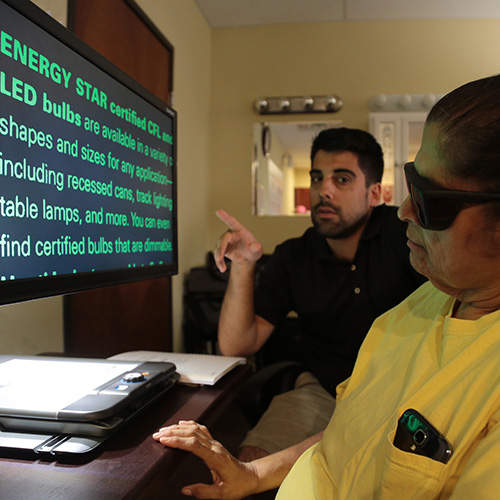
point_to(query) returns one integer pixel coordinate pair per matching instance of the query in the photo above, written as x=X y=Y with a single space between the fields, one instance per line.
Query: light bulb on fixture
x=428 y=100
x=333 y=103
x=405 y=101
x=308 y=103
x=261 y=105
x=285 y=104
x=378 y=101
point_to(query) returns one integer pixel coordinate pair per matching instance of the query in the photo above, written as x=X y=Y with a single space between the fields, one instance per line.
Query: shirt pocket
x=409 y=476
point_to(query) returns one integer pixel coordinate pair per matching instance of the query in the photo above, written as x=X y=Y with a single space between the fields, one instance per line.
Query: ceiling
x=234 y=13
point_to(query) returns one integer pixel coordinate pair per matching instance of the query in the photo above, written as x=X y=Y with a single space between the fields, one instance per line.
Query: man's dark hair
x=359 y=142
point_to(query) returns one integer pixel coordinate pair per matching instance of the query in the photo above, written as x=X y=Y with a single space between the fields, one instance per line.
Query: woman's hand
x=232 y=479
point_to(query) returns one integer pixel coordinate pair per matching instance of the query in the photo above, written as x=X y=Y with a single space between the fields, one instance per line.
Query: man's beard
x=337 y=230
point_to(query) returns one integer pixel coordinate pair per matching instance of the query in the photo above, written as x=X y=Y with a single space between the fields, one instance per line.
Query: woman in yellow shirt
x=419 y=417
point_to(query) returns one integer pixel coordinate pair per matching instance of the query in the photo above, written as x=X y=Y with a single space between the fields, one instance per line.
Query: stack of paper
x=204 y=369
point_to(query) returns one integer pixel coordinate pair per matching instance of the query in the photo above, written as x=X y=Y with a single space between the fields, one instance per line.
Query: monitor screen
x=87 y=165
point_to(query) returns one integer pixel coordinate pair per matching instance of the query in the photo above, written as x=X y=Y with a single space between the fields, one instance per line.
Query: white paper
x=205 y=369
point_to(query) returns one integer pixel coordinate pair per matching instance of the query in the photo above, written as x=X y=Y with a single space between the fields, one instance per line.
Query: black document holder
x=65 y=406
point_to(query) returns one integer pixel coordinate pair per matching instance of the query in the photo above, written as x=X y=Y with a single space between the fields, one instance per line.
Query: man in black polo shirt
x=342 y=273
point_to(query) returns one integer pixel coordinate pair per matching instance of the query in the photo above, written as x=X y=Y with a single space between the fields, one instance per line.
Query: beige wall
x=217 y=76
x=186 y=29
x=352 y=59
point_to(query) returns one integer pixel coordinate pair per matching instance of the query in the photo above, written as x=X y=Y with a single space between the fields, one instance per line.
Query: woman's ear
x=492 y=229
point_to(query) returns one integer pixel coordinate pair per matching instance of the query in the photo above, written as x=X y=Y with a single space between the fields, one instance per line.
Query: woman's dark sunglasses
x=437 y=207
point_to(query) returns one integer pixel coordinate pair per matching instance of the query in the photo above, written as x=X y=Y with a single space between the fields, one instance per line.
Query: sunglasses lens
x=433 y=213
x=418 y=205
x=442 y=210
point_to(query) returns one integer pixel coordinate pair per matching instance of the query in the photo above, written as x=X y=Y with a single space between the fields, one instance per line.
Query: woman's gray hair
x=468 y=126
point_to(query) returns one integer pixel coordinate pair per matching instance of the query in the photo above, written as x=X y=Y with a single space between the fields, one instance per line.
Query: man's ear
x=374 y=193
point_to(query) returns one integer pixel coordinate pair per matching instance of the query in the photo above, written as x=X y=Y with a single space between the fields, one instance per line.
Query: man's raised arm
x=241 y=331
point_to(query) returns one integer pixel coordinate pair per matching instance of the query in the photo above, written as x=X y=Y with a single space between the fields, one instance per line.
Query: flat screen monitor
x=87 y=165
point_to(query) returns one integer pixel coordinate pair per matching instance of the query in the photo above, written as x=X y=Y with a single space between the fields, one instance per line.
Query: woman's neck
x=475 y=309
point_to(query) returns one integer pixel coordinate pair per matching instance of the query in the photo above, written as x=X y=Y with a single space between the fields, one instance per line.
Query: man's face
x=340 y=201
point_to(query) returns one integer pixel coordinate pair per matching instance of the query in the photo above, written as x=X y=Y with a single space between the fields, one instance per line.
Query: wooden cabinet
x=134 y=316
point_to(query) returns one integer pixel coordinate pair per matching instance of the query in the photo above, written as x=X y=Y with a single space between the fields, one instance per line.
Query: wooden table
x=130 y=464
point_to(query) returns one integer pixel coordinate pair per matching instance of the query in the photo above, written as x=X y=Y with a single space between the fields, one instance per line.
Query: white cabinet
x=400 y=135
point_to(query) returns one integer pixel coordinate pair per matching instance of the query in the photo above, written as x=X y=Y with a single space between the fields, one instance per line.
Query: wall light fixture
x=295 y=105
x=403 y=102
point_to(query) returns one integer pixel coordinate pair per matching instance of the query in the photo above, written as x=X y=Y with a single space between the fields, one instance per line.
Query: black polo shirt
x=336 y=300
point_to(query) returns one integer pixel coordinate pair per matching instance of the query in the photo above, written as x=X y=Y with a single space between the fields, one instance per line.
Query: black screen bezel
x=33 y=288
